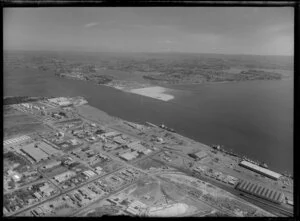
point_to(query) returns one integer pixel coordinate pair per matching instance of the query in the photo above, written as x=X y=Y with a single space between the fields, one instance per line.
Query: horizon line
x=143 y=52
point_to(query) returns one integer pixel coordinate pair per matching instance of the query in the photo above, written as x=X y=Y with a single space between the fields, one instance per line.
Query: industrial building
x=111 y=134
x=64 y=176
x=120 y=140
x=260 y=170
x=89 y=173
x=260 y=191
x=16 y=140
x=198 y=155
x=52 y=164
x=137 y=146
x=47 y=148
x=61 y=101
x=34 y=152
x=129 y=155
x=135 y=207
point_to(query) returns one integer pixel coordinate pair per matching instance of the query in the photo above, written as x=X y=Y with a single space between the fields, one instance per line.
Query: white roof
x=137 y=203
x=119 y=140
x=260 y=169
x=201 y=154
x=129 y=155
x=15 y=140
x=110 y=134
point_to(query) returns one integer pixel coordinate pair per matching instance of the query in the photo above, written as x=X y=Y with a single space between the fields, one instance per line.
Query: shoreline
x=239 y=155
x=158 y=91
x=229 y=153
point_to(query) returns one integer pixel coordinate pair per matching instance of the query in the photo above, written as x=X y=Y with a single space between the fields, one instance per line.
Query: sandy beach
x=154 y=92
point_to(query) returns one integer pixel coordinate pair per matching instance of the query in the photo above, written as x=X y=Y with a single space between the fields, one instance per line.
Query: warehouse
x=260 y=191
x=120 y=140
x=111 y=134
x=16 y=140
x=129 y=156
x=199 y=155
x=47 y=148
x=35 y=153
x=137 y=146
x=64 y=176
x=61 y=101
x=261 y=170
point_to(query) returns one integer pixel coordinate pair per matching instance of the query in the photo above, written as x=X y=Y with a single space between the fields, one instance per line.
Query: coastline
x=184 y=137
x=157 y=91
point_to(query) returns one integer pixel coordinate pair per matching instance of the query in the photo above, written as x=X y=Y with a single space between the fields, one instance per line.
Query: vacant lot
x=95 y=114
x=20 y=124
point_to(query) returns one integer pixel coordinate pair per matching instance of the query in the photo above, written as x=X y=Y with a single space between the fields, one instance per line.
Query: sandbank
x=153 y=92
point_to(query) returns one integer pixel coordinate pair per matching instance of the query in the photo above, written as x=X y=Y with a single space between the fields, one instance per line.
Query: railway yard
x=77 y=160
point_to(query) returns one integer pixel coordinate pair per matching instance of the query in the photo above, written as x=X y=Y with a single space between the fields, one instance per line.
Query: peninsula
x=151 y=74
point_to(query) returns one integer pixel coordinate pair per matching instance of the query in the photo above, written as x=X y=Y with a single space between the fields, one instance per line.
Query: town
x=82 y=162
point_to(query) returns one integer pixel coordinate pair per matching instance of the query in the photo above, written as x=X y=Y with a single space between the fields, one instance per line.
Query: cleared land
x=153 y=92
x=95 y=114
x=17 y=123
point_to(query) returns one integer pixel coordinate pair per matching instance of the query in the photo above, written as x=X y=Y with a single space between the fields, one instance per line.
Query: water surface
x=252 y=118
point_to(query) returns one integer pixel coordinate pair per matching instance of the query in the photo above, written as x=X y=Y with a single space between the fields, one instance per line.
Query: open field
x=20 y=124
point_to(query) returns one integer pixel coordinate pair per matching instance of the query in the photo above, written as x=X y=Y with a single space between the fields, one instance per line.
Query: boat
x=216 y=146
x=166 y=128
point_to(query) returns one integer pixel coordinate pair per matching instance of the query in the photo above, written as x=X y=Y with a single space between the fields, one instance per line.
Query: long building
x=47 y=148
x=39 y=151
x=260 y=191
x=261 y=170
x=16 y=140
x=35 y=153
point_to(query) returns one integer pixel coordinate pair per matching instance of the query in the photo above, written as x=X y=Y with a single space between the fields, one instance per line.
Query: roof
x=47 y=148
x=119 y=140
x=129 y=155
x=60 y=100
x=137 y=203
x=15 y=140
x=111 y=134
x=34 y=152
x=260 y=169
x=200 y=154
x=260 y=191
x=137 y=146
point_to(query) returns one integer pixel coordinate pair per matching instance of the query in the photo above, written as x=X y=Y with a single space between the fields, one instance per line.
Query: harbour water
x=251 y=118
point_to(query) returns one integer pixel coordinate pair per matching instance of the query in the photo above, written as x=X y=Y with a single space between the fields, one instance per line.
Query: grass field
x=20 y=124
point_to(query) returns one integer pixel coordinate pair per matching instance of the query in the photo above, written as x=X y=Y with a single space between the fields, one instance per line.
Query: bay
x=253 y=118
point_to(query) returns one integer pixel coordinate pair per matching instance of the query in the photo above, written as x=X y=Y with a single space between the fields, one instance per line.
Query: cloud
x=92 y=24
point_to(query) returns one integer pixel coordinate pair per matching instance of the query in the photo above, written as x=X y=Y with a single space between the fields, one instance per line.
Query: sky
x=231 y=30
